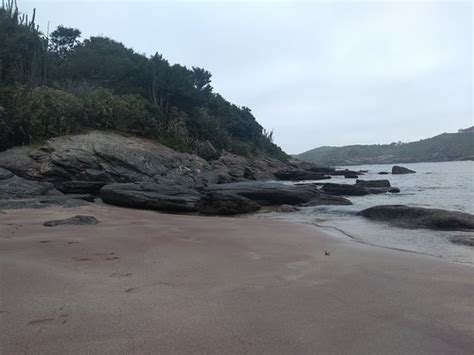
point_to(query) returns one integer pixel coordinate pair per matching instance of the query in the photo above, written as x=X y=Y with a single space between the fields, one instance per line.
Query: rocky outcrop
x=139 y=173
x=112 y=158
x=398 y=170
x=152 y=196
x=76 y=220
x=268 y=193
x=417 y=217
x=226 y=204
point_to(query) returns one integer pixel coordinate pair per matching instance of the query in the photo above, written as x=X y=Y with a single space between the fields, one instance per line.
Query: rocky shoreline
x=72 y=171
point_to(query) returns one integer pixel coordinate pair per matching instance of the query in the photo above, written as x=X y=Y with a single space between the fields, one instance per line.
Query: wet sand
x=143 y=282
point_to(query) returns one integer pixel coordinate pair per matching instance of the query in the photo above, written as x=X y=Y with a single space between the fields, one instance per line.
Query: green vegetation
x=444 y=147
x=59 y=84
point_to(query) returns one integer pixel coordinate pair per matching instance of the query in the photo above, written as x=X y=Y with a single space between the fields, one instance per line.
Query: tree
x=63 y=40
x=202 y=79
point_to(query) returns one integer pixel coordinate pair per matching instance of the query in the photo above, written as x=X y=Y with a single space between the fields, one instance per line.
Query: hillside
x=444 y=147
x=58 y=84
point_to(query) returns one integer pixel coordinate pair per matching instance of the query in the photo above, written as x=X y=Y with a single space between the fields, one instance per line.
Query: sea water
x=446 y=185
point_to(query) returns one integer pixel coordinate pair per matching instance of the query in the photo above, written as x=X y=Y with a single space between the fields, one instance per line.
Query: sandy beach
x=141 y=282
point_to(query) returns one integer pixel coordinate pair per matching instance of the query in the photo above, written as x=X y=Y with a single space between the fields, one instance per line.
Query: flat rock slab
x=152 y=196
x=418 y=217
x=76 y=220
x=268 y=193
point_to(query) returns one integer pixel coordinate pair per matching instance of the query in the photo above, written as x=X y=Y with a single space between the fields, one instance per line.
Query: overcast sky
x=317 y=73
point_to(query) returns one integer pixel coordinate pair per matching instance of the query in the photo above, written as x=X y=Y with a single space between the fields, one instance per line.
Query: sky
x=317 y=73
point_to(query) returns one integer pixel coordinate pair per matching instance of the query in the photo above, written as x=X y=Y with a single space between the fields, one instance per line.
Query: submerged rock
x=418 y=217
x=344 y=189
x=328 y=200
x=76 y=220
x=401 y=170
x=467 y=240
x=373 y=183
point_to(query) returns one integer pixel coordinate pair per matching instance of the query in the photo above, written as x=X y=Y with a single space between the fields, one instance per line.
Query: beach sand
x=142 y=282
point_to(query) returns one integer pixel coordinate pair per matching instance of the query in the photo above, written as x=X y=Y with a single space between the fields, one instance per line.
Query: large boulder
x=401 y=170
x=268 y=193
x=418 y=217
x=226 y=204
x=173 y=198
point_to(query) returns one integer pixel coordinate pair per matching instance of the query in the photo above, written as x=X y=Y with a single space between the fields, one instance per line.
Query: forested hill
x=60 y=84
x=444 y=147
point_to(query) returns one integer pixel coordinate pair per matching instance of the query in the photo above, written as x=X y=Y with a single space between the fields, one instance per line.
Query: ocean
x=446 y=185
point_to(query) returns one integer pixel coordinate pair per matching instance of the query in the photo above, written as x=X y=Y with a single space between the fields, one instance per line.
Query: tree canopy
x=60 y=84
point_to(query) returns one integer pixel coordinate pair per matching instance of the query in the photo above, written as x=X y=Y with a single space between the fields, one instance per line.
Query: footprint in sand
x=59 y=318
x=69 y=243
x=80 y=259
x=118 y=275
x=112 y=258
x=45 y=241
x=131 y=289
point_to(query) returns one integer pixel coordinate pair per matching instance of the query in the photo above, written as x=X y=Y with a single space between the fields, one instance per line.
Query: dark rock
x=401 y=170
x=394 y=190
x=268 y=193
x=321 y=170
x=346 y=172
x=114 y=158
x=76 y=220
x=226 y=204
x=326 y=200
x=467 y=240
x=12 y=186
x=81 y=187
x=351 y=176
x=344 y=189
x=373 y=183
x=417 y=217
x=5 y=174
x=300 y=175
x=153 y=196
x=383 y=173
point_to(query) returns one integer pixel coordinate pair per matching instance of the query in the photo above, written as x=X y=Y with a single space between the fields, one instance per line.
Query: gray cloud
x=318 y=73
